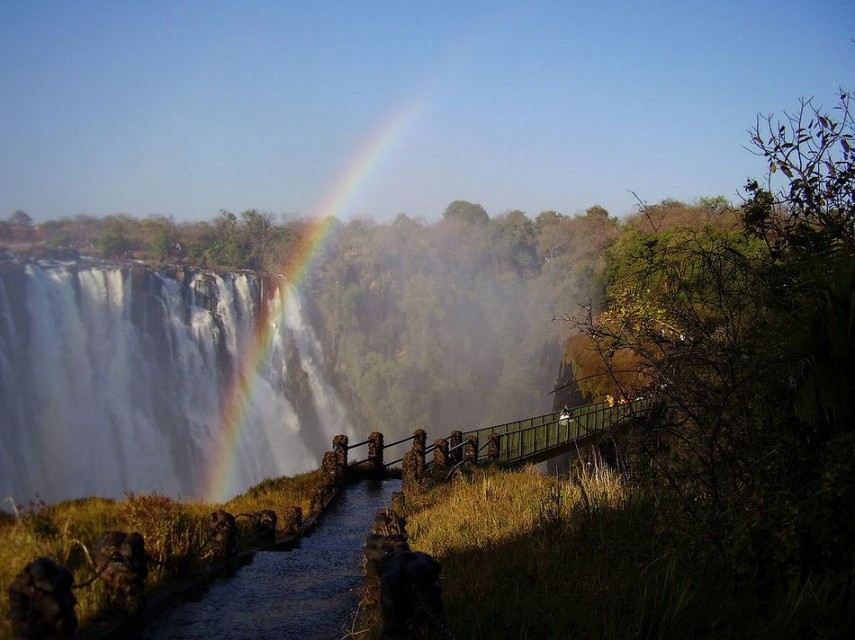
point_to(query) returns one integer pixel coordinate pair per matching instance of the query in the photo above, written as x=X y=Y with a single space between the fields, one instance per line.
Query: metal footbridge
x=540 y=438
x=528 y=441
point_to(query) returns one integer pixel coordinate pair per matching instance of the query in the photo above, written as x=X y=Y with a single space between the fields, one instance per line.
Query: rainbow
x=219 y=484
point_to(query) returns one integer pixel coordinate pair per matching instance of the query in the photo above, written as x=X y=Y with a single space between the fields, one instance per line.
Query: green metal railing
x=536 y=436
x=540 y=437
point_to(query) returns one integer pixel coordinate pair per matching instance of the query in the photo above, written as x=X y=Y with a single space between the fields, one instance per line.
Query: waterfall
x=117 y=379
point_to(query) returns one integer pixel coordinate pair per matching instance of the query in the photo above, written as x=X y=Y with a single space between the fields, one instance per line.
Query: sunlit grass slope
x=525 y=555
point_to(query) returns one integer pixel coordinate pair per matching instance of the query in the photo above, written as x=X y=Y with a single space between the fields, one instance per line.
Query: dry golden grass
x=175 y=534
x=508 y=542
x=525 y=555
x=277 y=494
x=501 y=538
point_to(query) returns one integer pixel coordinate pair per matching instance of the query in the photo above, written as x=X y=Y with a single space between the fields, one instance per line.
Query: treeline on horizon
x=261 y=241
x=446 y=325
x=435 y=325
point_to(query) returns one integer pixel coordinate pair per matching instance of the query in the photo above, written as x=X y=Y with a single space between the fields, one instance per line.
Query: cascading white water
x=113 y=381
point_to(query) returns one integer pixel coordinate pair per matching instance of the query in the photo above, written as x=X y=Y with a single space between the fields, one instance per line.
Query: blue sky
x=184 y=108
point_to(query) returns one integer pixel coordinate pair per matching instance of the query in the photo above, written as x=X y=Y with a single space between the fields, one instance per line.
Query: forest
x=436 y=325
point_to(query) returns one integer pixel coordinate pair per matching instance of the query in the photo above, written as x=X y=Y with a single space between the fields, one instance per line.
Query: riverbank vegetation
x=175 y=533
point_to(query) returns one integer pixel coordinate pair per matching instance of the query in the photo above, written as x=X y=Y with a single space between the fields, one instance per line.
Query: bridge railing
x=518 y=440
x=527 y=438
x=396 y=445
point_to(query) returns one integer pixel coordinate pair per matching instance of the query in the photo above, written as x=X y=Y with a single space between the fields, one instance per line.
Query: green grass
x=175 y=534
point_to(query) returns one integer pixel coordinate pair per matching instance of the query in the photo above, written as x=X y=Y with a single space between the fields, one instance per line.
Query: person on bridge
x=565 y=415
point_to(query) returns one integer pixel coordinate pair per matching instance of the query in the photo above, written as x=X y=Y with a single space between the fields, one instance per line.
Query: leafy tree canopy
x=466 y=212
x=20 y=218
x=742 y=322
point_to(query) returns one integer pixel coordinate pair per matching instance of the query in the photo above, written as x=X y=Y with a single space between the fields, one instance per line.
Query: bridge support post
x=440 y=454
x=413 y=464
x=388 y=535
x=418 y=448
x=411 y=596
x=263 y=527
x=41 y=601
x=493 y=447
x=412 y=472
x=470 y=450
x=420 y=441
x=333 y=474
x=125 y=563
x=317 y=500
x=455 y=455
x=222 y=530
x=292 y=520
x=375 y=453
x=339 y=444
x=405 y=584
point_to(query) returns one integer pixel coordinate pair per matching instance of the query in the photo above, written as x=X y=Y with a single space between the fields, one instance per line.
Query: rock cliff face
x=118 y=378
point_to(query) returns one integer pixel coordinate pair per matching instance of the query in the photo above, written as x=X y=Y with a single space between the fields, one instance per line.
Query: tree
x=161 y=236
x=545 y=218
x=816 y=153
x=227 y=248
x=596 y=211
x=748 y=337
x=21 y=218
x=808 y=225
x=467 y=212
x=112 y=241
x=715 y=203
x=258 y=227
x=515 y=239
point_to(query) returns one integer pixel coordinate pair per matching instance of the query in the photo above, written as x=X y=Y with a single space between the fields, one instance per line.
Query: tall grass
x=175 y=534
x=525 y=555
